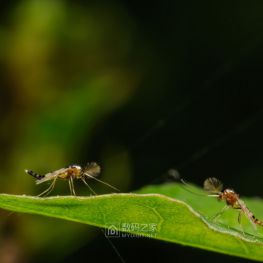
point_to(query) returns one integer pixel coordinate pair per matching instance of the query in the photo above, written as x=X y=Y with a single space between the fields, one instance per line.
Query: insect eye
x=213 y=185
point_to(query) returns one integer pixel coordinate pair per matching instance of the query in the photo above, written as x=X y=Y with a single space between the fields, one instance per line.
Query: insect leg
x=239 y=217
x=219 y=213
x=72 y=185
x=102 y=182
x=239 y=221
x=50 y=188
x=84 y=181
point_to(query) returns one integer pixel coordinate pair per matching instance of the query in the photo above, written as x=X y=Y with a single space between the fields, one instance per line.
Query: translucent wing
x=213 y=185
x=92 y=169
x=52 y=175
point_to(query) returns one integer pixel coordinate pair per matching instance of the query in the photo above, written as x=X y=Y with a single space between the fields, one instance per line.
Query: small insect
x=215 y=188
x=90 y=171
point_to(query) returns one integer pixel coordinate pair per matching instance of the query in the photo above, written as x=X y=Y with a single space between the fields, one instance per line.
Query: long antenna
x=175 y=174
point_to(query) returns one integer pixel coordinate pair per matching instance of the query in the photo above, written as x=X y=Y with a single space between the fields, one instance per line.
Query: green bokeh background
x=137 y=87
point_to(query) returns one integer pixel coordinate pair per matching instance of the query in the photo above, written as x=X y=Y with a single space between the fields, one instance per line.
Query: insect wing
x=52 y=175
x=213 y=185
x=93 y=169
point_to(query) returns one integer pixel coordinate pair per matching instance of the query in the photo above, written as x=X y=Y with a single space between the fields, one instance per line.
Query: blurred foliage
x=64 y=70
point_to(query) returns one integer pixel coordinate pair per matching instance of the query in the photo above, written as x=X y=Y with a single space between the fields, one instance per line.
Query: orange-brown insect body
x=231 y=198
x=90 y=171
x=73 y=171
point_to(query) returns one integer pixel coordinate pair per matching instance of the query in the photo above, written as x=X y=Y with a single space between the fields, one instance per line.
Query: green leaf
x=167 y=212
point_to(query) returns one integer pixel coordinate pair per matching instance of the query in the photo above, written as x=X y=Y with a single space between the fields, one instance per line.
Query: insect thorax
x=73 y=171
x=231 y=198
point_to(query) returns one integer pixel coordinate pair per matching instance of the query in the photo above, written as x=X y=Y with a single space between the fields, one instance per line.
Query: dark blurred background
x=139 y=87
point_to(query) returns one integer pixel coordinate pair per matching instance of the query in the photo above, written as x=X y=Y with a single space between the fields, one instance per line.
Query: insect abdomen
x=34 y=174
x=257 y=221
